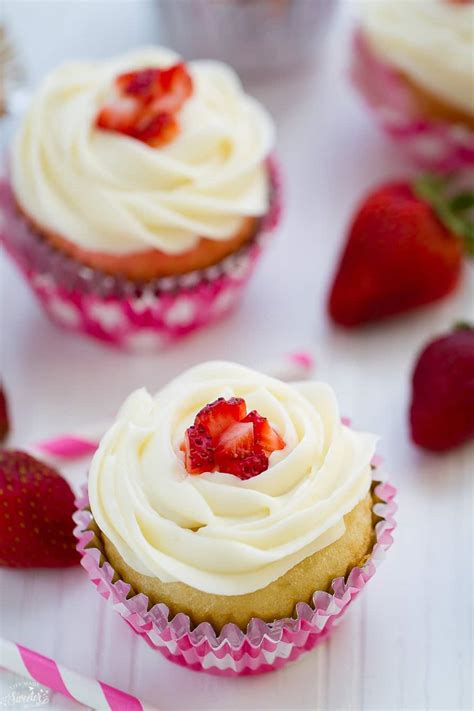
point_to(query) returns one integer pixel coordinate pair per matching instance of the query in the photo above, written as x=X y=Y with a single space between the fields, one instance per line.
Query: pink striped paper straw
x=297 y=365
x=43 y=670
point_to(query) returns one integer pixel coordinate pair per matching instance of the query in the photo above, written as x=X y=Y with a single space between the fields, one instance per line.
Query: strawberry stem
x=456 y=211
x=463 y=326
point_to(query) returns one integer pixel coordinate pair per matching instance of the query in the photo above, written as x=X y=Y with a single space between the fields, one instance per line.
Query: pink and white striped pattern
x=264 y=646
x=90 y=692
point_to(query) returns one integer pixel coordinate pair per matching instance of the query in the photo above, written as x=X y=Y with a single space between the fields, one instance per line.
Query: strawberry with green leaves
x=405 y=249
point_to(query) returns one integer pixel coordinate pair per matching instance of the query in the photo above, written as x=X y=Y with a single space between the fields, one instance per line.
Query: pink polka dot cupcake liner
x=133 y=316
x=264 y=646
x=433 y=144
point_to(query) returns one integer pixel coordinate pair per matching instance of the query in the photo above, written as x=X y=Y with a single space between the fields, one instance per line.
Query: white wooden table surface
x=407 y=642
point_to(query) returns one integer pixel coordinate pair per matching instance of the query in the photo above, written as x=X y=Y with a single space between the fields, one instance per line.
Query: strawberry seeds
x=146 y=103
x=36 y=511
x=225 y=438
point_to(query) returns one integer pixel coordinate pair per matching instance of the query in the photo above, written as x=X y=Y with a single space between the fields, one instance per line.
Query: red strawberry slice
x=221 y=414
x=144 y=84
x=36 y=508
x=236 y=442
x=198 y=450
x=169 y=88
x=156 y=129
x=265 y=436
x=404 y=250
x=246 y=467
x=176 y=87
x=4 y=421
x=119 y=115
x=442 y=405
x=146 y=104
x=230 y=440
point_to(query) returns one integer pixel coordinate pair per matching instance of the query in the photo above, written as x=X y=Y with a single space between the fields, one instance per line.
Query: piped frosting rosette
x=401 y=48
x=110 y=193
x=223 y=535
x=216 y=532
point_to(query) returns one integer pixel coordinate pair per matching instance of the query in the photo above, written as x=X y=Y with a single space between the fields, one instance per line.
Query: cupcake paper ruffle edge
x=265 y=646
x=433 y=144
x=134 y=317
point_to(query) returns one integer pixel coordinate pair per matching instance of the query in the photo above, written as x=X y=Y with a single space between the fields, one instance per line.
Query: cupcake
x=232 y=517
x=258 y=37
x=413 y=64
x=140 y=190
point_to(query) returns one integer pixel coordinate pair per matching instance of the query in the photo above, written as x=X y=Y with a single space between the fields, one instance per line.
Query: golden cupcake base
x=275 y=601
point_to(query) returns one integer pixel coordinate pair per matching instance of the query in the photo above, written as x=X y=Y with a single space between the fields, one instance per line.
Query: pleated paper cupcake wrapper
x=433 y=144
x=118 y=311
x=265 y=646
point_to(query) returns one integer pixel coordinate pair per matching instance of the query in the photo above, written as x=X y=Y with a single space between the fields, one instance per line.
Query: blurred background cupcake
x=413 y=62
x=139 y=190
x=254 y=36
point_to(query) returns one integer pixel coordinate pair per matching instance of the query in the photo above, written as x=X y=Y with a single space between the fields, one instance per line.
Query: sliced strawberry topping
x=220 y=415
x=143 y=84
x=226 y=439
x=146 y=103
x=246 y=467
x=198 y=450
x=176 y=87
x=265 y=435
x=236 y=442
x=156 y=130
x=119 y=115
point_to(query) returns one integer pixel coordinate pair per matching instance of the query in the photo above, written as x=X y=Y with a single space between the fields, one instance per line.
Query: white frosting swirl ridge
x=431 y=41
x=214 y=531
x=109 y=193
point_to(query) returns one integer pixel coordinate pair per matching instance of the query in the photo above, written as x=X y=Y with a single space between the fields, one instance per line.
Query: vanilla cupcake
x=413 y=62
x=234 y=500
x=140 y=188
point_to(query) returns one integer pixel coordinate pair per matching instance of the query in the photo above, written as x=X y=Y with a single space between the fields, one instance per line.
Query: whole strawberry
x=4 y=421
x=442 y=404
x=36 y=507
x=404 y=249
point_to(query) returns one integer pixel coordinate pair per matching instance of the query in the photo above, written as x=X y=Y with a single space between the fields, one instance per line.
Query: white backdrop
x=406 y=644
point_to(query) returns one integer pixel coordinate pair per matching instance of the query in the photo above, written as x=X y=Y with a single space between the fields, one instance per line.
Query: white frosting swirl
x=107 y=192
x=213 y=531
x=431 y=41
